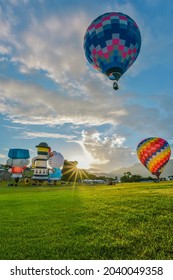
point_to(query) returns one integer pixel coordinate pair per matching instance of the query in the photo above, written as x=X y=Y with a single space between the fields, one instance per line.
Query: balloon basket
x=115 y=85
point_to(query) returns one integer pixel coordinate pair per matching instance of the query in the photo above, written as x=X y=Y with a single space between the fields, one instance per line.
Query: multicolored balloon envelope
x=112 y=43
x=154 y=153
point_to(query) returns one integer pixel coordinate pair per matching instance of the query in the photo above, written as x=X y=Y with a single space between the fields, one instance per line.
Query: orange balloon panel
x=17 y=169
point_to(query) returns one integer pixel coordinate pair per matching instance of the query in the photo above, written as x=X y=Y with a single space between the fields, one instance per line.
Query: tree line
x=71 y=173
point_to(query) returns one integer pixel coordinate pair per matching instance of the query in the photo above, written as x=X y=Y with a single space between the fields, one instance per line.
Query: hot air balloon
x=56 y=159
x=39 y=163
x=55 y=162
x=55 y=175
x=18 y=161
x=154 y=153
x=112 y=43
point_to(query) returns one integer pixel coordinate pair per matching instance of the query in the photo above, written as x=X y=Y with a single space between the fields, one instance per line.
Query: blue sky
x=48 y=91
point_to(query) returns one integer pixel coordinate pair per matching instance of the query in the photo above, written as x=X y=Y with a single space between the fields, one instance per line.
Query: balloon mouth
x=157 y=174
x=114 y=76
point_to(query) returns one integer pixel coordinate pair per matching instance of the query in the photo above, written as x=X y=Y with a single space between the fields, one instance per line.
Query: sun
x=72 y=172
x=84 y=161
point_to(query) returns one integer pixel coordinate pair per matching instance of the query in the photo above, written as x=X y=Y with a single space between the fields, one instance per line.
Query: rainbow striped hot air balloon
x=154 y=153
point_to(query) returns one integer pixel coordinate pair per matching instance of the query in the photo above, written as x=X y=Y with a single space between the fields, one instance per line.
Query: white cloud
x=31 y=135
x=43 y=45
x=24 y=103
x=13 y=127
x=30 y=104
x=5 y=30
x=2 y=156
x=108 y=153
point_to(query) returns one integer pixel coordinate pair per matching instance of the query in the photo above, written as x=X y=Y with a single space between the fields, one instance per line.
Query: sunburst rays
x=73 y=173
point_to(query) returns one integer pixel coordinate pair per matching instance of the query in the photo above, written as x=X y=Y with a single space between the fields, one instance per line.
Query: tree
x=128 y=177
x=71 y=173
x=136 y=178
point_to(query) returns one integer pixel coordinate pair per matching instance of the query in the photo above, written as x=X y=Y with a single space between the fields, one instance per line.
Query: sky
x=49 y=92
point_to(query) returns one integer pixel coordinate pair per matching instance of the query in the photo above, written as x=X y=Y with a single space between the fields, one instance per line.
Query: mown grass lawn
x=124 y=221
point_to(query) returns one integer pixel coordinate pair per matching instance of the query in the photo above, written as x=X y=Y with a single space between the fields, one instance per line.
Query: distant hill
x=138 y=168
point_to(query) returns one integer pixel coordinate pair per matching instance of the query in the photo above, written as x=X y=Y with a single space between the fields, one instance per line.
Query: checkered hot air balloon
x=154 y=153
x=112 y=43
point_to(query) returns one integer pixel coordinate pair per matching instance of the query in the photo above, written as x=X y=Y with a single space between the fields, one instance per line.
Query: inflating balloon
x=154 y=153
x=18 y=161
x=55 y=175
x=112 y=43
x=56 y=160
x=40 y=162
x=18 y=153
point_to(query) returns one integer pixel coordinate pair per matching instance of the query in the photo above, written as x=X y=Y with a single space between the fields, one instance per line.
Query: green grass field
x=124 y=221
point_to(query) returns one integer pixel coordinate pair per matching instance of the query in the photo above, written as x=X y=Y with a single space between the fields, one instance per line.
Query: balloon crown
x=43 y=145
